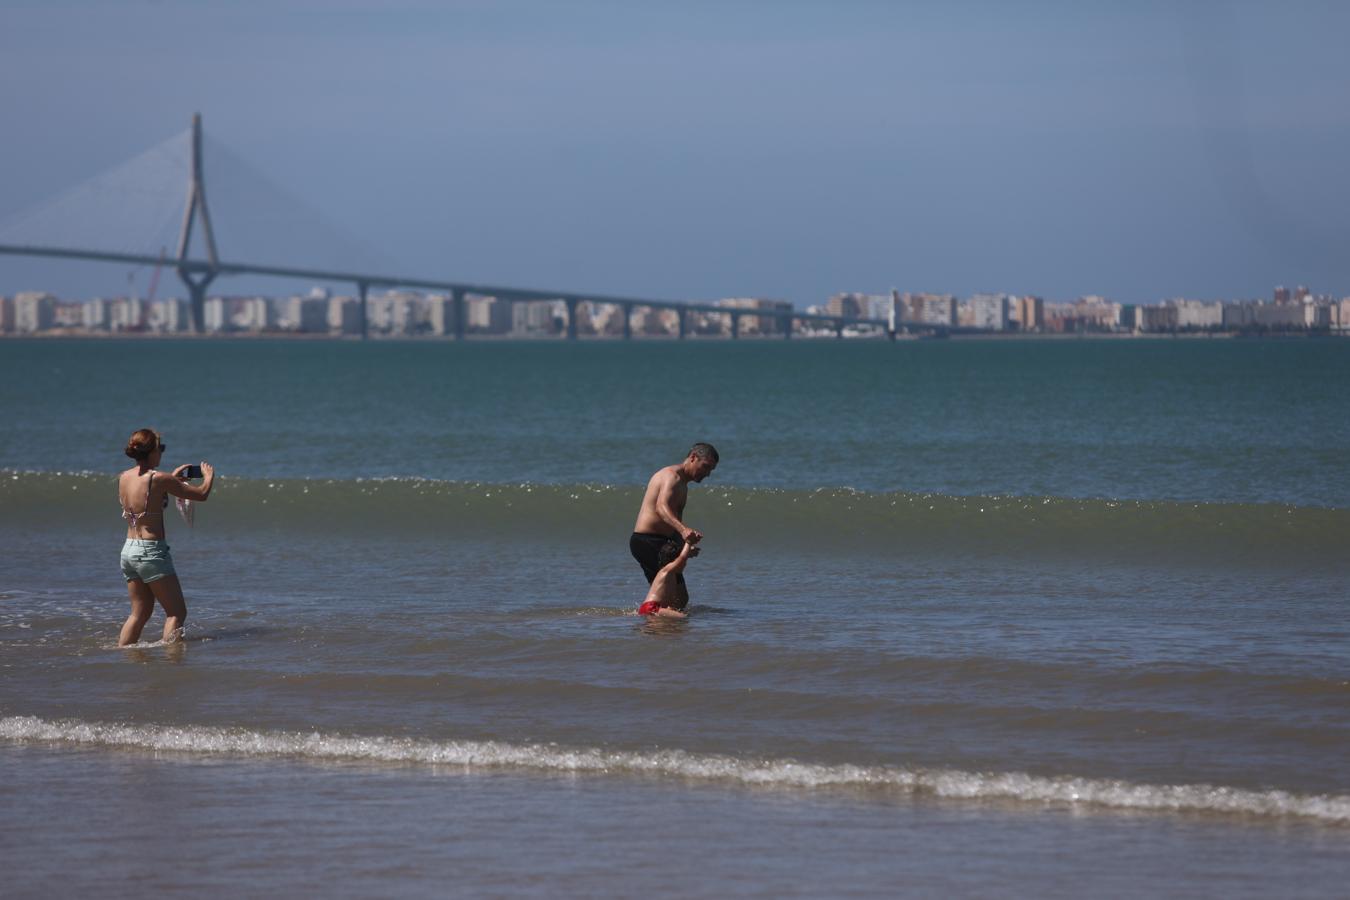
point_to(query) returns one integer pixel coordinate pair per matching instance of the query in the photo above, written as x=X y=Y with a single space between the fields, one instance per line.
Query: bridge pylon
x=196 y=206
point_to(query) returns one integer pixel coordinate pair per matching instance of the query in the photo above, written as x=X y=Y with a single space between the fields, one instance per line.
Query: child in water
x=662 y=595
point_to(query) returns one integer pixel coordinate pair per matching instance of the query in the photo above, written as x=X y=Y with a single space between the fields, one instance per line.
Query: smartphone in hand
x=191 y=472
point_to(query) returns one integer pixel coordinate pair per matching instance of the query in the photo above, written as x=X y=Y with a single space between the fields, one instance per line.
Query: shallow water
x=1047 y=674
x=1222 y=420
x=345 y=829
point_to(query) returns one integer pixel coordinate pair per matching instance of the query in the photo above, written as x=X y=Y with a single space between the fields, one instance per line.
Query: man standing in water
x=661 y=517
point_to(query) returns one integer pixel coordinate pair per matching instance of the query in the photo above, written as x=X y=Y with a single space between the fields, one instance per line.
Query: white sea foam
x=950 y=783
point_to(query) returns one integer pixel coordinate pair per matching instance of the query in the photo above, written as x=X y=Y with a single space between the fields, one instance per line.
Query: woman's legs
x=142 y=605
x=169 y=592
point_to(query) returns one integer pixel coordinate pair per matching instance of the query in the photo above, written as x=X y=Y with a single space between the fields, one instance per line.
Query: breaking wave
x=782 y=773
x=834 y=519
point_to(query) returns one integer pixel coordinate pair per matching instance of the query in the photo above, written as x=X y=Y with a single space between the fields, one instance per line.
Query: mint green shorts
x=146 y=560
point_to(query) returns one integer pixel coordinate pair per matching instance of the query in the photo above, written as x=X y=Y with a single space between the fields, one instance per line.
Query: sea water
x=1038 y=617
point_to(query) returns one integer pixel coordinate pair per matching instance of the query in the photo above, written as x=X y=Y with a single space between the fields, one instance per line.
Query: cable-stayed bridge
x=159 y=199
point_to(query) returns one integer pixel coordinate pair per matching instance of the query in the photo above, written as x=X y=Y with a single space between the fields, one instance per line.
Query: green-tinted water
x=1263 y=421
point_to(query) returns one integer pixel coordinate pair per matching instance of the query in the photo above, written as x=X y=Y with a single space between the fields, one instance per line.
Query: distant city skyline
x=1133 y=151
x=461 y=314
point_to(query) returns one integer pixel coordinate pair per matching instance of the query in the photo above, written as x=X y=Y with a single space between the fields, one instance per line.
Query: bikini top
x=134 y=517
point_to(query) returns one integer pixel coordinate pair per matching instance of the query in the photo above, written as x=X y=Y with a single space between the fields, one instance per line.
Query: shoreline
x=994 y=336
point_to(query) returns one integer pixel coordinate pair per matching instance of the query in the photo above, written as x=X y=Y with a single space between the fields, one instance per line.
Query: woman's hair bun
x=142 y=443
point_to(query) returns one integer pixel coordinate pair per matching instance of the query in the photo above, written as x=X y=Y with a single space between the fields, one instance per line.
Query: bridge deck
x=205 y=267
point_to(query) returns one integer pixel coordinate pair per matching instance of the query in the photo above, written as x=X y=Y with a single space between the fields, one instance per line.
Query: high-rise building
x=170 y=316
x=926 y=309
x=409 y=315
x=254 y=314
x=1282 y=294
x=1241 y=314
x=68 y=315
x=965 y=314
x=1281 y=316
x=607 y=318
x=397 y=312
x=440 y=314
x=127 y=314
x=1197 y=314
x=759 y=324
x=539 y=317
x=851 y=305
x=344 y=315
x=1095 y=313
x=989 y=311
x=939 y=309
x=379 y=313
x=179 y=316
x=213 y=314
x=1031 y=313
x=1318 y=314
x=34 y=311
x=488 y=315
x=591 y=316
x=1158 y=318
x=305 y=314
x=94 y=314
x=6 y=315
x=655 y=321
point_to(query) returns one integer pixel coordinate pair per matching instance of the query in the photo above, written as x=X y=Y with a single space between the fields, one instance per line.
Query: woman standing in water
x=144 y=494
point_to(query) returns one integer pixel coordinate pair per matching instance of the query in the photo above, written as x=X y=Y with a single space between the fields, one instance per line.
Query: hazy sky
x=702 y=150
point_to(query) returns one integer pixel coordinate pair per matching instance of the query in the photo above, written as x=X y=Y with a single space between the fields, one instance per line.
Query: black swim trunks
x=646 y=548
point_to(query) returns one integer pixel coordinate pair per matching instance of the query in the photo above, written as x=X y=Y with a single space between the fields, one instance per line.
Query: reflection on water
x=660 y=626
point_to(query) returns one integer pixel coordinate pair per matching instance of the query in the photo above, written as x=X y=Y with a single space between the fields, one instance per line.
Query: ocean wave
x=833 y=519
x=1019 y=787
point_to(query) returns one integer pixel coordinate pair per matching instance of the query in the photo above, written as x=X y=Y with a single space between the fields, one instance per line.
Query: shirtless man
x=661 y=517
